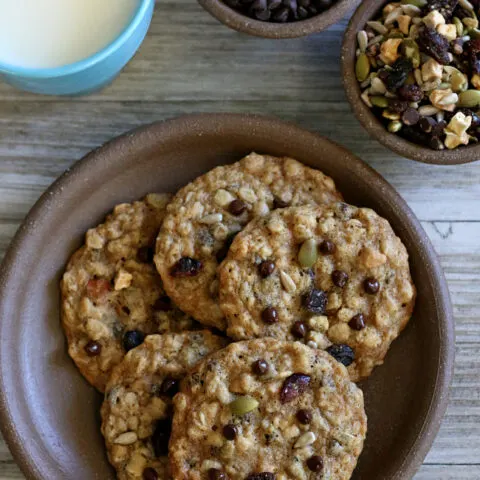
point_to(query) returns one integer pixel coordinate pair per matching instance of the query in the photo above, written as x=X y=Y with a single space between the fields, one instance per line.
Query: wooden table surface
x=191 y=63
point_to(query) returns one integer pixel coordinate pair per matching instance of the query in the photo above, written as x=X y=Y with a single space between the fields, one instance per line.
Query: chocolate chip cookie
x=136 y=413
x=267 y=410
x=112 y=295
x=204 y=217
x=336 y=277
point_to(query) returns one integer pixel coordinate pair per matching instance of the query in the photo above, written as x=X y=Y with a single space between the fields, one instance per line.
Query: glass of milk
x=69 y=47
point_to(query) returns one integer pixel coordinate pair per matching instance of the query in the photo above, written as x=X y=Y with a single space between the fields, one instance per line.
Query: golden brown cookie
x=267 y=410
x=136 y=413
x=204 y=217
x=112 y=295
x=336 y=277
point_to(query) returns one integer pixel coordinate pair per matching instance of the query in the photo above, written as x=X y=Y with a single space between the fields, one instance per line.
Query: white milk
x=52 y=33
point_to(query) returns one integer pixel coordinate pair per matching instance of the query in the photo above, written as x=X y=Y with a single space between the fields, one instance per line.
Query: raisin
x=433 y=44
x=293 y=386
x=411 y=93
x=186 y=267
x=397 y=106
x=342 y=353
x=444 y=7
x=315 y=301
x=399 y=73
x=472 y=53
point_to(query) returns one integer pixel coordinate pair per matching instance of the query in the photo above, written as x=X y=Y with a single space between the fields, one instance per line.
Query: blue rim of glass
x=87 y=62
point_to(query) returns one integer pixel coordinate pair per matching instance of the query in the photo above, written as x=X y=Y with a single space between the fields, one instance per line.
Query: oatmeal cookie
x=136 y=412
x=266 y=409
x=336 y=277
x=204 y=217
x=112 y=295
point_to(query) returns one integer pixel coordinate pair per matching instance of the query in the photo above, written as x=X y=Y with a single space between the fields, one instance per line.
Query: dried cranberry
x=342 y=353
x=293 y=386
x=97 y=288
x=315 y=301
x=161 y=436
x=433 y=44
x=412 y=93
x=399 y=73
x=186 y=267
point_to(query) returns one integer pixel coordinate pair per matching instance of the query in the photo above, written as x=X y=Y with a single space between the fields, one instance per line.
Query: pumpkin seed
x=410 y=49
x=459 y=26
x=362 y=67
x=411 y=10
x=378 y=101
x=243 y=405
x=459 y=82
x=308 y=253
x=470 y=23
x=417 y=3
x=394 y=126
x=390 y=115
x=469 y=99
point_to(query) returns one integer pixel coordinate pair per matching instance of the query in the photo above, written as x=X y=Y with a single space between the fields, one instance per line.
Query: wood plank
x=38 y=141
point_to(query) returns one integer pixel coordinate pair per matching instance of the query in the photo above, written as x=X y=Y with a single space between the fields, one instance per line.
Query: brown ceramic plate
x=367 y=10
x=49 y=414
x=236 y=20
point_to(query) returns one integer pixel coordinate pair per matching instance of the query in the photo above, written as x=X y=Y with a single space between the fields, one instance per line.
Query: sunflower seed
x=378 y=27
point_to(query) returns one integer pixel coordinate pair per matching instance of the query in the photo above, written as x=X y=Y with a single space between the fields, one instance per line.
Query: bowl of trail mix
x=278 y=18
x=411 y=72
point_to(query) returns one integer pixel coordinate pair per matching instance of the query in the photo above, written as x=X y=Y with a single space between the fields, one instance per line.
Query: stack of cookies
x=227 y=324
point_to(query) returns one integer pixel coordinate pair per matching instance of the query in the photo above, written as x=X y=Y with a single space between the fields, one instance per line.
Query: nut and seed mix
x=418 y=65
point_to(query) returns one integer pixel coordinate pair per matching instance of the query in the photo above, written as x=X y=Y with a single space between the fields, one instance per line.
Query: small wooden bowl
x=365 y=12
x=233 y=19
x=49 y=415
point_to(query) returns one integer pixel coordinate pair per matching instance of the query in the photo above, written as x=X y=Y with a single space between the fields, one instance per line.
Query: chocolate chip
x=266 y=268
x=163 y=304
x=161 y=437
x=357 y=322
x=315 y=301
x=216 y=474
x=145 y=254
x=436 y=143
x=397 y=106
x=169 y=386
x=339 y=278
x=410 y=116
x=260 y=367
x=132 y=339
x=230 y=431
x=261 y=476
x=237 y=207
x=371 y=285
x=315 y=463
x=426 y=124
x=342 y=353
x=150 y=474
x=327 y=247
x=299 y=329
x=278 y=202
x=411 y=93
x=93 y=348
x=270 y=315
x=304 y=416
x=293 y=386
x=186 y=267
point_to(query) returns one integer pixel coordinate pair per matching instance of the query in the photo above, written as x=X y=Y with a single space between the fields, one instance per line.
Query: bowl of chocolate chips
x=278 y=18
x=411 y=71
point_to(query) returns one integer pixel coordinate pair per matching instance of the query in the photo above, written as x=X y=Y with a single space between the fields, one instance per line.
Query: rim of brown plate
x=109 y=158
x=237 y=21
x=365 y=12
